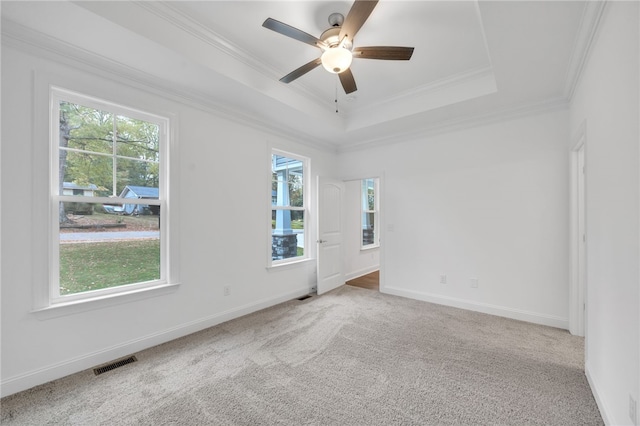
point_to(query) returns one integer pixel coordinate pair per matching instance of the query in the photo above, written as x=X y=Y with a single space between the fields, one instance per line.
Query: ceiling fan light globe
x=336 y=59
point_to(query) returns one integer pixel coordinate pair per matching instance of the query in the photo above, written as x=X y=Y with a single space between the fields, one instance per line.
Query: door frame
x=381 y=220
x=578 y=247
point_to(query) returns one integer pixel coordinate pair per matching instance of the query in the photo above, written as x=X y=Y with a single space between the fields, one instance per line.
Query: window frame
x=305 y=209
x=56 y=95
x=375 y=211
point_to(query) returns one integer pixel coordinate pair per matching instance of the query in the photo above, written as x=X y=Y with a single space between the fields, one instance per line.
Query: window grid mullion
x=114 y=170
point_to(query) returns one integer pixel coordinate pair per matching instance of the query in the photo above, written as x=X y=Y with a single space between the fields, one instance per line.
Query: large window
x=108 y=198
x=288 y=208
x=370 y=233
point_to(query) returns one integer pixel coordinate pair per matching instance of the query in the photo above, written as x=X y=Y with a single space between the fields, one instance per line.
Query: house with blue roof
x=140 y=192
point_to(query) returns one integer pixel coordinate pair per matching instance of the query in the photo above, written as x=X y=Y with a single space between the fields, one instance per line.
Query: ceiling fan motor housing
x=337 y=58
x=332 y=38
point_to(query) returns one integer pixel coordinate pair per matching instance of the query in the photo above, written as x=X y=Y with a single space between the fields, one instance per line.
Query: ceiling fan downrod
x=336 y=19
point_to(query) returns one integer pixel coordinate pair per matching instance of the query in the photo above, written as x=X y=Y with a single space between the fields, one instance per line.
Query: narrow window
x=288 y=208
x=369 y=236
x=108 y=198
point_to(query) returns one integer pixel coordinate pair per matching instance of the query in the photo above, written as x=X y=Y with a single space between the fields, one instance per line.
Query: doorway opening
x=363 y=237
x=370 y=281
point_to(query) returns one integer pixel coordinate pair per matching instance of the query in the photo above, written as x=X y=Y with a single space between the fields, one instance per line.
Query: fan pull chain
x=336 y=101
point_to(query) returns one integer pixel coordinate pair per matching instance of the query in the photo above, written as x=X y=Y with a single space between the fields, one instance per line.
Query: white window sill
x=84 y=305
x=287 y=265
x=370 y=247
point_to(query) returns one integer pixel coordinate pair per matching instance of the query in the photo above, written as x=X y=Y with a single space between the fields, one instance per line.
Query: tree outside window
x=107 y=158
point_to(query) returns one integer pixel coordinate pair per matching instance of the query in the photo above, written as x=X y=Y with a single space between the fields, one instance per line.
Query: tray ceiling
x=470 y=57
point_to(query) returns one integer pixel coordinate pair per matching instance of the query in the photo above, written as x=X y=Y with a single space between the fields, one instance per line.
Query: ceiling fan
x=336 y=44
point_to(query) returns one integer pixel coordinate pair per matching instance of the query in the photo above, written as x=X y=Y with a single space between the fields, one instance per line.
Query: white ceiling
x=471 y=58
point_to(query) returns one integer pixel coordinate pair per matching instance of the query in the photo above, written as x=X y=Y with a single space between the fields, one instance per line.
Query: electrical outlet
x=443 y=279
x=633 y=414
x=227 y=290
x=474 y=283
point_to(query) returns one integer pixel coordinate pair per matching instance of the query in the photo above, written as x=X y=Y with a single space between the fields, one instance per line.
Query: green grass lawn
x=92 y=266
x=295 y=224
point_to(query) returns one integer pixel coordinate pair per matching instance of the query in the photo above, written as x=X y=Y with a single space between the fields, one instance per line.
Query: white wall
x=489 y=203
x=222 y=239
x=357 y=262
x=606 y=104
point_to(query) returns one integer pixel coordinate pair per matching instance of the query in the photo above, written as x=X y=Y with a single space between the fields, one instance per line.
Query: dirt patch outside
x=100 y=222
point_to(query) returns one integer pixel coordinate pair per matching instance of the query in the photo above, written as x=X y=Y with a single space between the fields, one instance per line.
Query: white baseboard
x=52 y=372
x=361 y=272
x=501 y=311
x=604 y=412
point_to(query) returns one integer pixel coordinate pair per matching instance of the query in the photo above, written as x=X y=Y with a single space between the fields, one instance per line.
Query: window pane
x=368 y=194
x=85 y=128
x=369 y=206
x=296 y=191
x=137 y=139
x=287 y=188
x=287 y=234
x=368 y=228
x=107 y=249
x=85 y=174
x=274 y=189
x=102 y=153
x=137 y=173
x=288 y=214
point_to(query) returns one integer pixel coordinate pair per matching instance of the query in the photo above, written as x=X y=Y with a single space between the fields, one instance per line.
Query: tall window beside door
x=370 y=215
x=288 y=208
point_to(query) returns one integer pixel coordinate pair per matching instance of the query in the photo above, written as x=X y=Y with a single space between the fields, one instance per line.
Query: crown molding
x=587 y=31
x=430 y=88
x=31 y=41
x=189 y=25
x=176 y=17
x=438 y=94
x=462 y=123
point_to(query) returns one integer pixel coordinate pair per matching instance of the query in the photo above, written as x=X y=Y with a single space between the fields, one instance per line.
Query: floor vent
x=114 y=365
x=304 y=297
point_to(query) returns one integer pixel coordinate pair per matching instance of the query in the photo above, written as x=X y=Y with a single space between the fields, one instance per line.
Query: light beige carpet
x=350 y=357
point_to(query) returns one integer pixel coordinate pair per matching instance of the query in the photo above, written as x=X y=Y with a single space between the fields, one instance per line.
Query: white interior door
x=330 y=228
